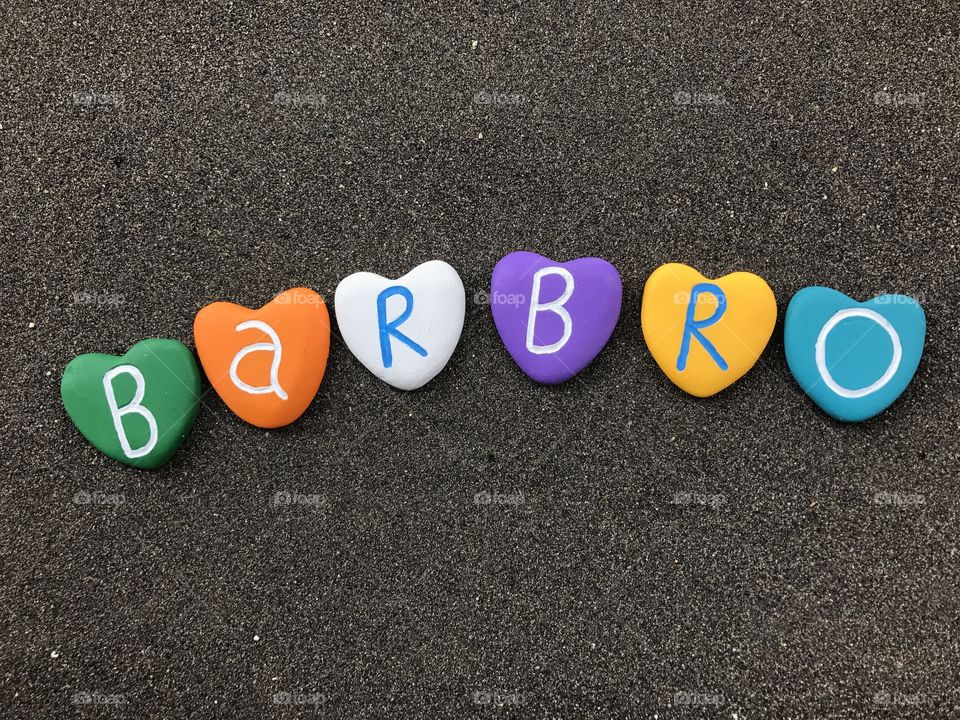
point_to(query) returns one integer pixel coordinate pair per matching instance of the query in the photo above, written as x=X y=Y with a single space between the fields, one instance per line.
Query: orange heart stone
x=265 y=364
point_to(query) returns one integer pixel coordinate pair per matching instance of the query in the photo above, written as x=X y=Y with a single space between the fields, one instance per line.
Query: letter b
x=554 y=306
x=132 y=407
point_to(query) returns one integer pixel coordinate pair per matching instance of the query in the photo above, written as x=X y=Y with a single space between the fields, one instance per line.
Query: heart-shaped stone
x=265 y=364
x=554 y=318
x=403 y=331
x=706 y=334
x=853 y=359
x=136 y=408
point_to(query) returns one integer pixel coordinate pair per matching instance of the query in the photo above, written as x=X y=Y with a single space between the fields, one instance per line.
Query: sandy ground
x=661 y=556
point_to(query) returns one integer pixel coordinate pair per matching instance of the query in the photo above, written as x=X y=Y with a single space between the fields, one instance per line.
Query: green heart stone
x=136 y=408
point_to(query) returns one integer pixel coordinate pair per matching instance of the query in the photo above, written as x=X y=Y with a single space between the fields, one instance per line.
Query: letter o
x=821 y=352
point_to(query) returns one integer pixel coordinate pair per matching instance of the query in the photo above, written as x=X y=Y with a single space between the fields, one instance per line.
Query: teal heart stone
x=137 y=408
x=853 y=359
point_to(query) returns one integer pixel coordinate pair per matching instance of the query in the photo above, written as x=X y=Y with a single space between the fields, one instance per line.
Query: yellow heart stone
x=706 y=334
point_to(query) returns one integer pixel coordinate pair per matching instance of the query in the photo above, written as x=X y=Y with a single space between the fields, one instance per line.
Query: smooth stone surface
x=710 y=348
x=266 y=364
x=853 y=359
x=554 y=318
x=405 y=330
x=152 y=392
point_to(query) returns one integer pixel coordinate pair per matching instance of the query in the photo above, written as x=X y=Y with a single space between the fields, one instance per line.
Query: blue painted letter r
x=692 y=328
x=388 y=329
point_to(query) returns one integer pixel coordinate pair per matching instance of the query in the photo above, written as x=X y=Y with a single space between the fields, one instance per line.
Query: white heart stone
x=404 y=331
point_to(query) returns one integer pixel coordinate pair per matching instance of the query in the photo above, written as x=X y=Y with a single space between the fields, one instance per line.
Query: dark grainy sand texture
x=157 y=157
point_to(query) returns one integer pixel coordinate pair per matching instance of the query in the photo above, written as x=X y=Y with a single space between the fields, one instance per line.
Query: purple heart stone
x=554 y=317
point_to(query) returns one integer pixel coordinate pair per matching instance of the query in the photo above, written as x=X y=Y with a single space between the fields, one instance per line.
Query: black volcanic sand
x=156 y=159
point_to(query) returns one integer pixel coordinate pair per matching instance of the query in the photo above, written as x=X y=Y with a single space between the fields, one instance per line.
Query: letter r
x=389 y=329
x=692 y=327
